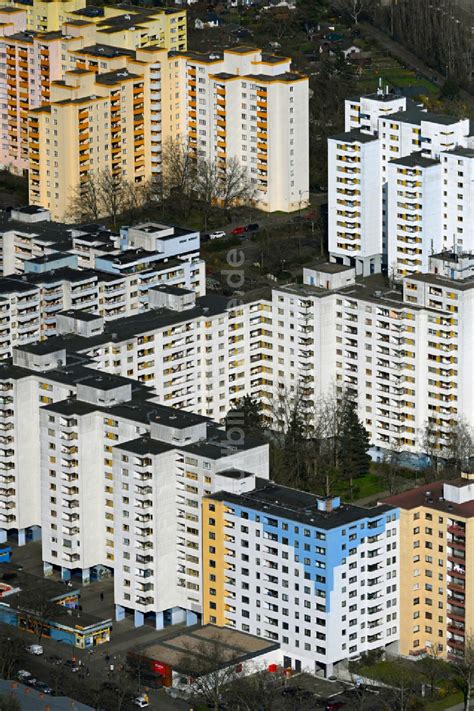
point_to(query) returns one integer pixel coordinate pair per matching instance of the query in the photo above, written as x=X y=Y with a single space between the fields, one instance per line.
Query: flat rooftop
x=331 y=268
x=294 y=505
x=236 y=647
x=415 y=160
x=431 y=496
x=354 y=136
x=79 y=315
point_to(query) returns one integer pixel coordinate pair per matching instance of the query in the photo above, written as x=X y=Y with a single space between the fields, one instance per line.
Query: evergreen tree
x=353 y=446
x=247 y=415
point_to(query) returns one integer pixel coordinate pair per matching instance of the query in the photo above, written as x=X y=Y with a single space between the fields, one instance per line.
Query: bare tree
x=179 y=173
x=449 y=451
x=260 y=690
x=403 y=683
x=85 y=204
x=106 y=194
x=390 y=467
x=137 y=665
x=207 y=187
x=459 y=448
x=118 y=691
x=432 y=667
x=235 y=185
x=353 y=8
x=114 y=194
x=155 y=191
x=463 y=670
x=211 y=667
x=11 y=652
x=431 y=445
x=38 y=609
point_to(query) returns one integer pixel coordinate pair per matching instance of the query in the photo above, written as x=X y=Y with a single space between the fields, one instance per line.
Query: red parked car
x=238 y=230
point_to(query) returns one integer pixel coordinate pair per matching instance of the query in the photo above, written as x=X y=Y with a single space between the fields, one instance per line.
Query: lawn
x=368 y=485
x=445 y=703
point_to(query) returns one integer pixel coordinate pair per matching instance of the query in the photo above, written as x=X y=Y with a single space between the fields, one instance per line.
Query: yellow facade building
x=32 y=64
x=436 y=567
x=129 y=27
x=97 y=120
x=47 y=15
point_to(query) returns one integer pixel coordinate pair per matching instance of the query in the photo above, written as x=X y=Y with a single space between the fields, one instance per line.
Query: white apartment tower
x=405 y=131
x=458 y=200
x=354 y=195
x=414 y=209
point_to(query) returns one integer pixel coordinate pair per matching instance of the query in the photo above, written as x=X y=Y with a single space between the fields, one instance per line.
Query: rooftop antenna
x=380 y=88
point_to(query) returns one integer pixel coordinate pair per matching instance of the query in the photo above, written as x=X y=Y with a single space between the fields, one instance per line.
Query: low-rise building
x=184 y=656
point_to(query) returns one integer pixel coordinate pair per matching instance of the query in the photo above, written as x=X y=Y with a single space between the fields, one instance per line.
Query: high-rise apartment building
x=402 y=355
x=436 y=534
x=417 y=216
x=115 y=108
x=50 y=268
x=247 y=105
x=101 y=121
x=315 y=575
x=457 y=205
x=414 y=213
x=354 y=198
x=128 y=26
x=113 y=479
x=46 y=15
x=32 y=61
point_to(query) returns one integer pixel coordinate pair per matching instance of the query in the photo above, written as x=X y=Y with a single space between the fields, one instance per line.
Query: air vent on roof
x=441 y=498
x=430 y=501
x=427 y=493
x=450 y=507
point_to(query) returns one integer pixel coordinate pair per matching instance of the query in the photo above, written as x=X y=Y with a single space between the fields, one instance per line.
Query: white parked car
x=22 y=675
x=217 y=235
x=141 y=701
x=36 y=649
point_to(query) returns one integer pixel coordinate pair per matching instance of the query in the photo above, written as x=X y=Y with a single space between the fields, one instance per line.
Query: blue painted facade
x=319 y=567
x=42 y=266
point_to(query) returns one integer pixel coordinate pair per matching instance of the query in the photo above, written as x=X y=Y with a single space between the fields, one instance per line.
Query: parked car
x=71 y=665
x=239 y=230
x=335 y=705
x=43 y=688
x=253 y=227
x=217 y=234
x=22 y=675
x=36 y=649
x=141 y=701
x=57 y=661
x=31 y=681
